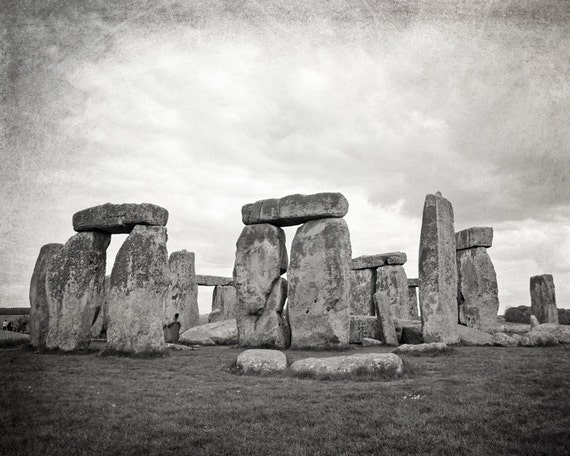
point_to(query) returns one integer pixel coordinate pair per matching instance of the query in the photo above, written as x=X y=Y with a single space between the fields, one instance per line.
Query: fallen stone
x=182 y=301
x=474 y=237
x=538 y=339
x=39 y=308
x=477 y=290
x=387 y=364
x=224 y=302
x=393 y=280
x=504 y=340
x=259 y=361
x=543 y=299
x=213 y=281
x=561 y=332
x=376 y=261
x=139 y=287
x=438 y=272
x=220 y=333
x=319 y=284
x=431 y=348
x=384 y=313
x=533 y=322
x=295 y=209
x=363 y=326
x=362 y=287
x=99 y=327
x=179 y=347
x=472 y=336
x=119 y=218
x=367 y=342
x=75 y=281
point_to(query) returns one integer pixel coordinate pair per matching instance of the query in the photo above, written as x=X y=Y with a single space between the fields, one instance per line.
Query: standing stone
x=261 y=258
x=384 y=313
x=39 y=309
x=364 y=327
x=477 y=291
x=543 y=298
x=99 y=327
x=393 y=280
x=362 y=287
x=224 y=301
x=139 y=287
x=438 y=272
x=413 y=297
x=74 y=284
x=319 y=284
x=183 y=291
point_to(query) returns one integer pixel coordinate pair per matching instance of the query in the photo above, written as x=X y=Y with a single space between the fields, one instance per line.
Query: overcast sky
x=202 y=107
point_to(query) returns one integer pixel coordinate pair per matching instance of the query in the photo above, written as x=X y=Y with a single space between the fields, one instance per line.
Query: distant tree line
x=521 y=314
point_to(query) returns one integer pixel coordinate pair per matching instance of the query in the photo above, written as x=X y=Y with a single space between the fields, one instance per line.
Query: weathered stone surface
x=412 y=335
x=430 y=348
x=295 y=209
x=367 y=342
x=393 y=280
x=415 y=325
x=182 y=301
x=39 y=308
x=504 y=340
x=438 y=272
x=362 y=287
x=383 y=363
x=224 y=301
x=319 y=284
x=379 y=260
x=213 y=281
x=538 y=339
x=477 y=290
x=99 y=327
x=119 y=218
x=179 y=347
x=171 y=332
x=561 y=332
x=384 y=313
x=221 y=333
x=139 y=288
x=259 y=361
x=414 y=283
x=472 y=336
x=362 y=326
x=413 y=301
x=474 y=237
x=75 y=280
x=533 y=322
x=543 y=298
x=261 y=258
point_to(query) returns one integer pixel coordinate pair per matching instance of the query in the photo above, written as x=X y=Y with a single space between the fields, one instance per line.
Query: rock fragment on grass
x=538 y=339
x=368 y=342
x=261 y=361
x=432 y=348
x=472 y=336
x=387 y=364
x=218 y=333
x=561 y=332
x=504 y=340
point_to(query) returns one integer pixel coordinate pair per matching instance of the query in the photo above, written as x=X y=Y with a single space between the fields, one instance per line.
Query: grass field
x=476 y=400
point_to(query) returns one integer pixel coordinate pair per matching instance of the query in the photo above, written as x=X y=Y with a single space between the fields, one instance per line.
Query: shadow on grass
x=106 y=352
x=430 y=352
x=14 y=343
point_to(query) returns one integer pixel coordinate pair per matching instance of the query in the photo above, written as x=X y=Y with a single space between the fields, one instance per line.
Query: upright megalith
x=384 y=313
x=224 y=301
x=182 y=303
x=543 y=298
x=362 y=288
x=139 y=287
x=438 y=272
x=99 y=327
x=261 y=258
x=39 y=308
x=393 y=280
x=413 y=285
x=119 y=218
x=74 y=284
x=477 y=290
x=319 y=284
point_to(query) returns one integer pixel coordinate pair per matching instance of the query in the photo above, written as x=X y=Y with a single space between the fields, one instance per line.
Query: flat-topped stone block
x=414 y=283
x=474 y=237
x=213 y=281
x=379 y=260
x=119 y=218
x=295 y=209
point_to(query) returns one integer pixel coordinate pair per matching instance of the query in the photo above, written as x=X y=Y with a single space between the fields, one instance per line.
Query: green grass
x=476 y=400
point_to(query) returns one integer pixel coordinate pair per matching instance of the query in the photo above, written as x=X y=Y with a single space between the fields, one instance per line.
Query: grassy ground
x=476 y=400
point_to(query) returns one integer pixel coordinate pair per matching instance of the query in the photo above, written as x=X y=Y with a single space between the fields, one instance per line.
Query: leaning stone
x=538 y=339
x=363 y=326
x=224 y=301
x=75 y=280
x=393 y=280
x=259 y=361
x=362 y=287
x=376 y=261
x=384 y=313
x=472 y=336
x=319 y=284
x=119 y=218
x=477 y=290
x=213 y=281
x=432 y=348
x=221 y=333
x=139 y=288
x=474 y=237
x=367 y=342
x=99 y=327
x=533 y=322
x=543 y=298
x=438 y=272
x=182 y=301
x=387 y=364
x=504 y=340
x=295 y=209
x=39 y=308
x=561 y=332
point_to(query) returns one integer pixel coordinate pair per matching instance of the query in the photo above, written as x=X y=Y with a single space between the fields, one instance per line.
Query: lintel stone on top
x=379 y=260
x=414 y=283
x=213 y=281
x=295 y=209
x=474 y=237
x=119 y=218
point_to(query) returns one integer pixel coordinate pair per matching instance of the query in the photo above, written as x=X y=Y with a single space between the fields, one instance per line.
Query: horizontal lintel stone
x=414 y=282
x=213 y=281
x=376 y=261
x=119 y=218
x=474 y=237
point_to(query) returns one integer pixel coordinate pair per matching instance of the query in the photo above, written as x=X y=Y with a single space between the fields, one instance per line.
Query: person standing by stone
x=5 y=325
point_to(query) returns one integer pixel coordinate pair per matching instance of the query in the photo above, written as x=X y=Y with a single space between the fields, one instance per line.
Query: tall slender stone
x=74 y=284
x=224 y=301
x=183 y=291
x=384 y=313
x=393 y=280
x=99 y=327
x=543 y=298
x=39 y=308
x=362 y=287
x=413 y=297
x=438 y=272
x=139 y=287
x=319 y=284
